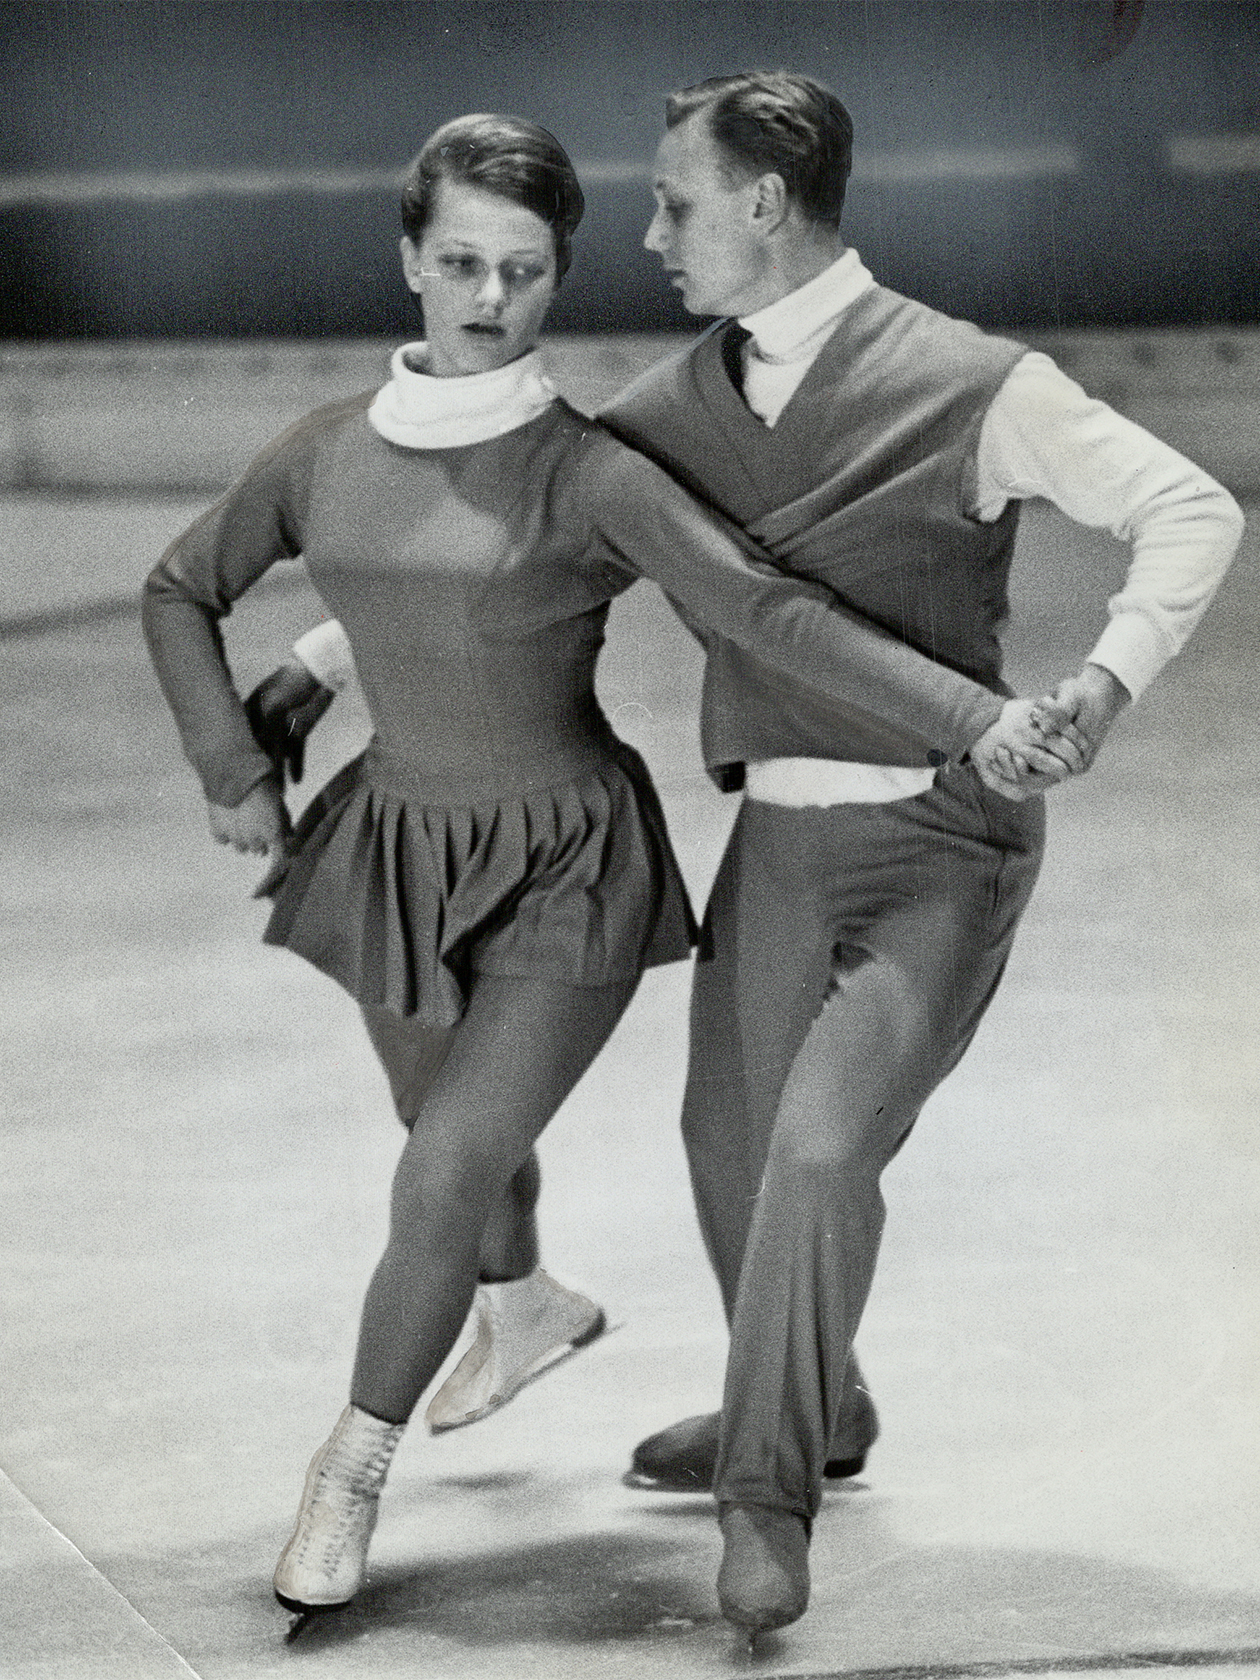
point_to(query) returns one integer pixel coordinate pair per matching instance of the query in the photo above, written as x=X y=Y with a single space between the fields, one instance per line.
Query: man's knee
x=837 y=1144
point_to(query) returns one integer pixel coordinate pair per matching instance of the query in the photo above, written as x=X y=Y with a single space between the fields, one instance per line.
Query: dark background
x=106 y=88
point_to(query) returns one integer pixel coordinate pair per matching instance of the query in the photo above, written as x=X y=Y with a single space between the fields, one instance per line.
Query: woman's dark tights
x=411 y=1053
x=481 y=1099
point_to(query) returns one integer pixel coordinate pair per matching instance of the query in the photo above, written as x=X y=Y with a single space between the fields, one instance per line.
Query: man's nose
x=654 y=239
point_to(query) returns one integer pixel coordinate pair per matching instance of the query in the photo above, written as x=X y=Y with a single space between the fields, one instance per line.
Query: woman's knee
x=443 y=1190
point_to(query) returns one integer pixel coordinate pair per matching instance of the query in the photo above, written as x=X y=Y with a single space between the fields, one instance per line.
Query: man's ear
x=771 y=204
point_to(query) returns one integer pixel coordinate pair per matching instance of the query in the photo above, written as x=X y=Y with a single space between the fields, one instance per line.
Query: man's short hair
x=773 y=122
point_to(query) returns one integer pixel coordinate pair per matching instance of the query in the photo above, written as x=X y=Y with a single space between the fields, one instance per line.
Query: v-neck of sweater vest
x=775 y=460
x=779 y=463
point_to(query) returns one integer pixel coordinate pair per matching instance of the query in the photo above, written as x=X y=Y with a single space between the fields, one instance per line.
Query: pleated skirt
x=403 y=898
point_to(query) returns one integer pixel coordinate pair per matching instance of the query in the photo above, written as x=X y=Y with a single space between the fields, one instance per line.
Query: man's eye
x=521 y=274
x=459 y=265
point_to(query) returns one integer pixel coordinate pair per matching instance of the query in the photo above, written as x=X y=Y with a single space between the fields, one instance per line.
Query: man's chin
x=697 y=303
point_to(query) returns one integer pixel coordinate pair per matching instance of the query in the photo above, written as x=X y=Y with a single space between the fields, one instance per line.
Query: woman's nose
x=492 y=294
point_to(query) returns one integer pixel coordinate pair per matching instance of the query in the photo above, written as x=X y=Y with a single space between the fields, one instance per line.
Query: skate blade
x=643 y=1483
x=302 y=1615
x=754 y=1645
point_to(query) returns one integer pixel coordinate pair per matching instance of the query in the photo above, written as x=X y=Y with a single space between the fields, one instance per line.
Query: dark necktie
x=734 y=338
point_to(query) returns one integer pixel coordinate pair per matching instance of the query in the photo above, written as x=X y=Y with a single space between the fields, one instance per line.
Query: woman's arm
x=193 y=587
x=716 y=573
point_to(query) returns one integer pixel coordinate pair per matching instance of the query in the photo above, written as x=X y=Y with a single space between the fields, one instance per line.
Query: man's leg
x=729 y=1109
x=920 y=900
x=726 y=1137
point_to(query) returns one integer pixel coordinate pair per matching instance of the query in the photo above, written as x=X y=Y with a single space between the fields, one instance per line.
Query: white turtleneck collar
x=421 y=412
x=785 y=331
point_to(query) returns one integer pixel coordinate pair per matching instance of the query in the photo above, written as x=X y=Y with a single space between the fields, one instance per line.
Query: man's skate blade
x=643 y=1483
x=750 y=1648
x=530 y=1373
x=837 y=1470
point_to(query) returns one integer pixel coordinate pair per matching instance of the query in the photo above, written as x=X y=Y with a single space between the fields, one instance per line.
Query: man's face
x=705 y=228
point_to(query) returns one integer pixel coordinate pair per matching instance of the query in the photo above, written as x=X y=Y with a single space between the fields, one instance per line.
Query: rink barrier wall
x=153 y=417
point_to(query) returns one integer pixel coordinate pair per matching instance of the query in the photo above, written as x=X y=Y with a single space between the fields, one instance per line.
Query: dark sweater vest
x=862 y=485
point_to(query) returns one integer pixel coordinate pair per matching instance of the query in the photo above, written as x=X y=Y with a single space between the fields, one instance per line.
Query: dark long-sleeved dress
x=495 y=824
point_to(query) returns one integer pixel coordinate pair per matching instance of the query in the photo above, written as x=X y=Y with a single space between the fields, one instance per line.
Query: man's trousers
x=850 y=953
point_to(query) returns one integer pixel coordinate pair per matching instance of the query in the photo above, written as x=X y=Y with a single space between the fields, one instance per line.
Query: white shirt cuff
x=1133 y=649
x=325 y=651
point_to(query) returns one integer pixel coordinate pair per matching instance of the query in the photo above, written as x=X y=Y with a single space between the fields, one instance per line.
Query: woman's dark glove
x=282 y=711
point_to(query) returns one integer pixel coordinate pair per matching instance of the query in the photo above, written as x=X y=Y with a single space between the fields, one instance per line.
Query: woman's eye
x=521 y=274
x=459 y=265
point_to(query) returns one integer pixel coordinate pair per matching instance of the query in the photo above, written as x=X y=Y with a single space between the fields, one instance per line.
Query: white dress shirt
x=1042 y=436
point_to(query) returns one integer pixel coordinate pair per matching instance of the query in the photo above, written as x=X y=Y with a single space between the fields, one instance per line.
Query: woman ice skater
x=491 y=878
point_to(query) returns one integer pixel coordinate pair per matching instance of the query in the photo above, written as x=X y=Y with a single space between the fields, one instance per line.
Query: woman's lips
x=487 y=327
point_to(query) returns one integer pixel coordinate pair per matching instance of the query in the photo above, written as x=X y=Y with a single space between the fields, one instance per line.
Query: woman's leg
x=483 y=1097
x=522 y=1045
x=412 y=1052
x=509 y=1243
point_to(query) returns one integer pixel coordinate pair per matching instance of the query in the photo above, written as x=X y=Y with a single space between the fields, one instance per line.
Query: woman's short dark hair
x=518 y=160
x=773 y=122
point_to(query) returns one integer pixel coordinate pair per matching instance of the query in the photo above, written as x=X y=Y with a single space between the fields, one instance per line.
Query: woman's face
x=485 y=272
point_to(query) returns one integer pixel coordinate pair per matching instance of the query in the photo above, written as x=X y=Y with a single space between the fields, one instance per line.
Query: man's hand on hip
x=1092 y=701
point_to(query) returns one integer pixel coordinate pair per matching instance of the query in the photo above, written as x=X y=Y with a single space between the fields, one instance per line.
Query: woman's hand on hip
x=282 y=711
x=259 y=824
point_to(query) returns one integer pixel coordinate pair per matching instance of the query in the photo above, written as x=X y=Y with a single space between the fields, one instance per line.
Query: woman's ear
x=413 y=271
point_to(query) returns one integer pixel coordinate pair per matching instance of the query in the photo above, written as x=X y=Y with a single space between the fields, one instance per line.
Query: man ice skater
x=865 y=907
